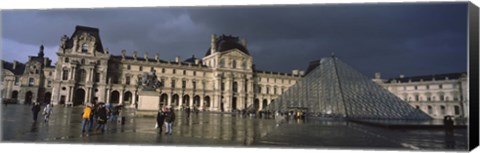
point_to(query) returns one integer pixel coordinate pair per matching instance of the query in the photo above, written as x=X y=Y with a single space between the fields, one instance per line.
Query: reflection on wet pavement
x=214 y=129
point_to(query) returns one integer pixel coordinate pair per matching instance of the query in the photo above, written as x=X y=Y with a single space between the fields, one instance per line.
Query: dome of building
x=225 y=43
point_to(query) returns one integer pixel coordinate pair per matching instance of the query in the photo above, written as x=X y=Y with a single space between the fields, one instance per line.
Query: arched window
x=221 y=63
x=84 y=47
x=65 y=74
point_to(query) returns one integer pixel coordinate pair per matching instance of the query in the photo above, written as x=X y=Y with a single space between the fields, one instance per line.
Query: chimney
x=145 y=55
x=197 y=61
x=135 y=55
x=244 y=43
x=177 y=59
x=378 y=75
x=295 y=72
x=123 y=54
x=213 y=46
x=302 y=73
x=157 y=57
x=402 y=76
x=14 y=64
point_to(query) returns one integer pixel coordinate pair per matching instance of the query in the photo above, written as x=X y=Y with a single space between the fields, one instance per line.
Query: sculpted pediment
x=235 y=53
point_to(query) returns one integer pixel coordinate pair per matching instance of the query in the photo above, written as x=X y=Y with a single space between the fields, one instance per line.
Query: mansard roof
x=19 y=68
x=192 y=60
x=90 y=30
x=450 y=76
x=225 y=43
x=138 y=58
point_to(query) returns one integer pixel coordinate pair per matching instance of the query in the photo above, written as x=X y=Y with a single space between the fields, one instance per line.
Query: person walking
x=101 y=117
x=160 y=119
x=47 y=111
x=169 y=119
x=87 y=112
x=35 y=109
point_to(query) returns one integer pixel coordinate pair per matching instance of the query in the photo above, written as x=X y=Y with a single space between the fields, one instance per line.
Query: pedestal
x=148 y=103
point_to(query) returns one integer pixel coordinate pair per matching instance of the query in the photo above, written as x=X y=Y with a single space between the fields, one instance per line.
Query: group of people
x=166 y=116
x=47 y=111
x=100 y=113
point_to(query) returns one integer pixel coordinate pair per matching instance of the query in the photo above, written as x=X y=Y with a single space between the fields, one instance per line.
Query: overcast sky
x=394 y=39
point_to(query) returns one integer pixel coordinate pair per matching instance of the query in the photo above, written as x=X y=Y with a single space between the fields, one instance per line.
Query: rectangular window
x=442 y=97
x=194 y=85
x=31 y=82
x=49 y=83
x=49 y=73
x=127 y=80
x=194 y=73
x=428 y=87
x=274 y=91
x=415 y=87
x=140 y=68
x=457 y=110
x=268 y=90
x=174 y=71
x=184 y=72
x=173 y=84
x=417 y=98
x=17 y=80
x=128 y=67
x=184 y=84
x=440 y=86
x=222 y=86
x=163 y=70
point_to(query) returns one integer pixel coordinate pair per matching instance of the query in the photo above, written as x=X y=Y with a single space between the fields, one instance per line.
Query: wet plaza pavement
x=215 y=129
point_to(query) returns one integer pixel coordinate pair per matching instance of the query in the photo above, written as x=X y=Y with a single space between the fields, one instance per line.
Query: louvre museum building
x=225 y=79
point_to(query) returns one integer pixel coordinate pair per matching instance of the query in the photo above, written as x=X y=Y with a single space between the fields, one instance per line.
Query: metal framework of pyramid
x=335 y=89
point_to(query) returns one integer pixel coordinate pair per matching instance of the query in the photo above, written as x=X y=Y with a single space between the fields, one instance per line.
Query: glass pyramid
x=334 y=89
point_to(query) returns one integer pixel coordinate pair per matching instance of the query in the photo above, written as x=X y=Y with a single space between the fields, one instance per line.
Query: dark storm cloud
x=410 y=39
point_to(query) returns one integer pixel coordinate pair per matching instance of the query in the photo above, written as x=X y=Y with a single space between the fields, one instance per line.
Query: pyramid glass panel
x=334 y=89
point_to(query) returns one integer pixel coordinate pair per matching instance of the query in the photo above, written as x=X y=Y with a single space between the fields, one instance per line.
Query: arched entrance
x=28 y=97
x=47 y=98
x=15 y=94
x=206 y=102
x=79 y=97
x=175 y=100
x=127 y=97
x=196 y=101
x=256 y=105
x=264 y=104
x=186 y=101
x=163 y=100
x=115 y=97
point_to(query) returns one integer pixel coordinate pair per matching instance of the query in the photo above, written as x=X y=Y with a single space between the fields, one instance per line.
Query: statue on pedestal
x=150 y=82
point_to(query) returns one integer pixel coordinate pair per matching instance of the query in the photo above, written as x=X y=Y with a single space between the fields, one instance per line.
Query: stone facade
x=30 y=82
x=437 y=95
x=224 y=80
